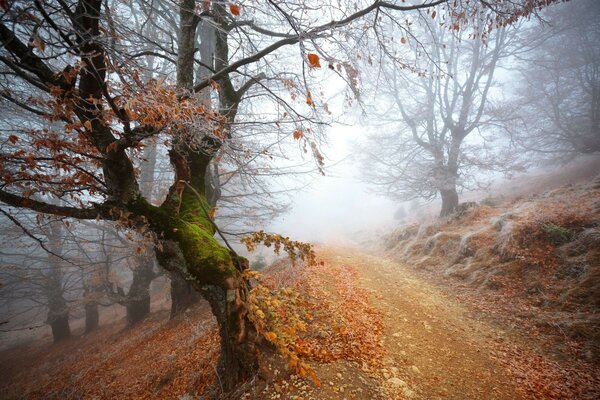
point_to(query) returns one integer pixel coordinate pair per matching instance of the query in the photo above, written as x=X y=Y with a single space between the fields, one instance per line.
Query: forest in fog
x=371 y=199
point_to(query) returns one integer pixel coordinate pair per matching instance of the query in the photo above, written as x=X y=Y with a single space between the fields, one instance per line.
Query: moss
x=194 y=209
x=556 y=234
x=208 y=261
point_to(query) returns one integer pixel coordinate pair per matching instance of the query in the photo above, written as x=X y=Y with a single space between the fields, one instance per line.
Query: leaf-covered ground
x=155 y=359
x=376 y=330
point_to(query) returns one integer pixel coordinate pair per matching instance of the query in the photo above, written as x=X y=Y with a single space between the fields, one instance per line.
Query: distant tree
x=435 y=133
x=559 y=89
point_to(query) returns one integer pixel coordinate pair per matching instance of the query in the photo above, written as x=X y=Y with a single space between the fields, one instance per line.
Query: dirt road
x=432 y=348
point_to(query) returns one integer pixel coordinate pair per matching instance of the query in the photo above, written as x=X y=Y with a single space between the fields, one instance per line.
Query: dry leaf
x=313 y=60
x=235 y=9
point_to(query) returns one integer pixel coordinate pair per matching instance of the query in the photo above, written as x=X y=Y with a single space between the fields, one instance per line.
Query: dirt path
x=432 y=348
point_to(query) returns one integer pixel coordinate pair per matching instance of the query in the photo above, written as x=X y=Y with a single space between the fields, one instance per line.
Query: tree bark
x=183 y=295
x=92 y=316
x=60 y=327
x=58 y=312
x=240 y=342
x=449 y=201
x=137 y=302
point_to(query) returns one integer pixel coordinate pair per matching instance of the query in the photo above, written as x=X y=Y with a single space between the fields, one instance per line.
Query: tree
x=71 y=78
x=559 y=90
x=432 y=108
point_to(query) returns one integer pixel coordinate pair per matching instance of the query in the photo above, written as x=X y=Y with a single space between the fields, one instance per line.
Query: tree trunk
x=58 y=317
x=92 y=316
x=58 y=312
x=449 y=201
x=137 y=302
x=183 y=294
x=239 y=340
x=60 y=327
x=240 y=343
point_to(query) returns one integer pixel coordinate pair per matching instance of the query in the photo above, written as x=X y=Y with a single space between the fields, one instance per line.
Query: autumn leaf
x=235 y=9
x=212 y=212
x=402 y=40
x=271 y=336
x=38 y=43
x=298 y=134
x=433 y=14
x=309 y=99
x=313 y=60
x=13 y=139
x=111 y=147
x=88 y=125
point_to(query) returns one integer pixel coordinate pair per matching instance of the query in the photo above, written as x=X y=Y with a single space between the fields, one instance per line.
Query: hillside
x=533 y=260
x=499 y=301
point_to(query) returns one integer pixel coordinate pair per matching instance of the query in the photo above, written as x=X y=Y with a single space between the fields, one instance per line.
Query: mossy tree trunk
x=188 y=246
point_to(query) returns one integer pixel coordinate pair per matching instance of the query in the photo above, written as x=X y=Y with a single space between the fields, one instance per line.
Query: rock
x=396 y=382
x=409 y=394
x=414 y=369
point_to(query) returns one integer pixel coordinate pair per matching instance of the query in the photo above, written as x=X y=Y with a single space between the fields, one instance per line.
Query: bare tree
x=559 y=91
x=438 y=119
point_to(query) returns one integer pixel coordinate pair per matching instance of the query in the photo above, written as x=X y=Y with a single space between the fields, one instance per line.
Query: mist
x=300 y=200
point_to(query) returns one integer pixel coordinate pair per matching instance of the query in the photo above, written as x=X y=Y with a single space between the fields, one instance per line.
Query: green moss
x=207 y=260
x=195 y=209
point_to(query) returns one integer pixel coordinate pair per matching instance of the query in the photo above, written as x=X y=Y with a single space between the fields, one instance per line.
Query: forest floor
x=385 y=332
x=433 y=346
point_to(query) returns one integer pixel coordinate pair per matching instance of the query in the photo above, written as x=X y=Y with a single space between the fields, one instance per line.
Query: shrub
x=556 y=234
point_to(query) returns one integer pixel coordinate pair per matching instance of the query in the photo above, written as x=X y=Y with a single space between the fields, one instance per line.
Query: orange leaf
x=433 y=14
x=88 y=125
x=298 y=134
x=271 y=336
x=111 y=147
x=402 y=40
x=313 y=60
x=13 y=139
x=309 y=99
x=235 y=9
x=213 y=212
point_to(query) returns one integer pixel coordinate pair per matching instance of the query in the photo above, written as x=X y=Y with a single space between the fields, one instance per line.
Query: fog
x=177 y=176
x=339 y=204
